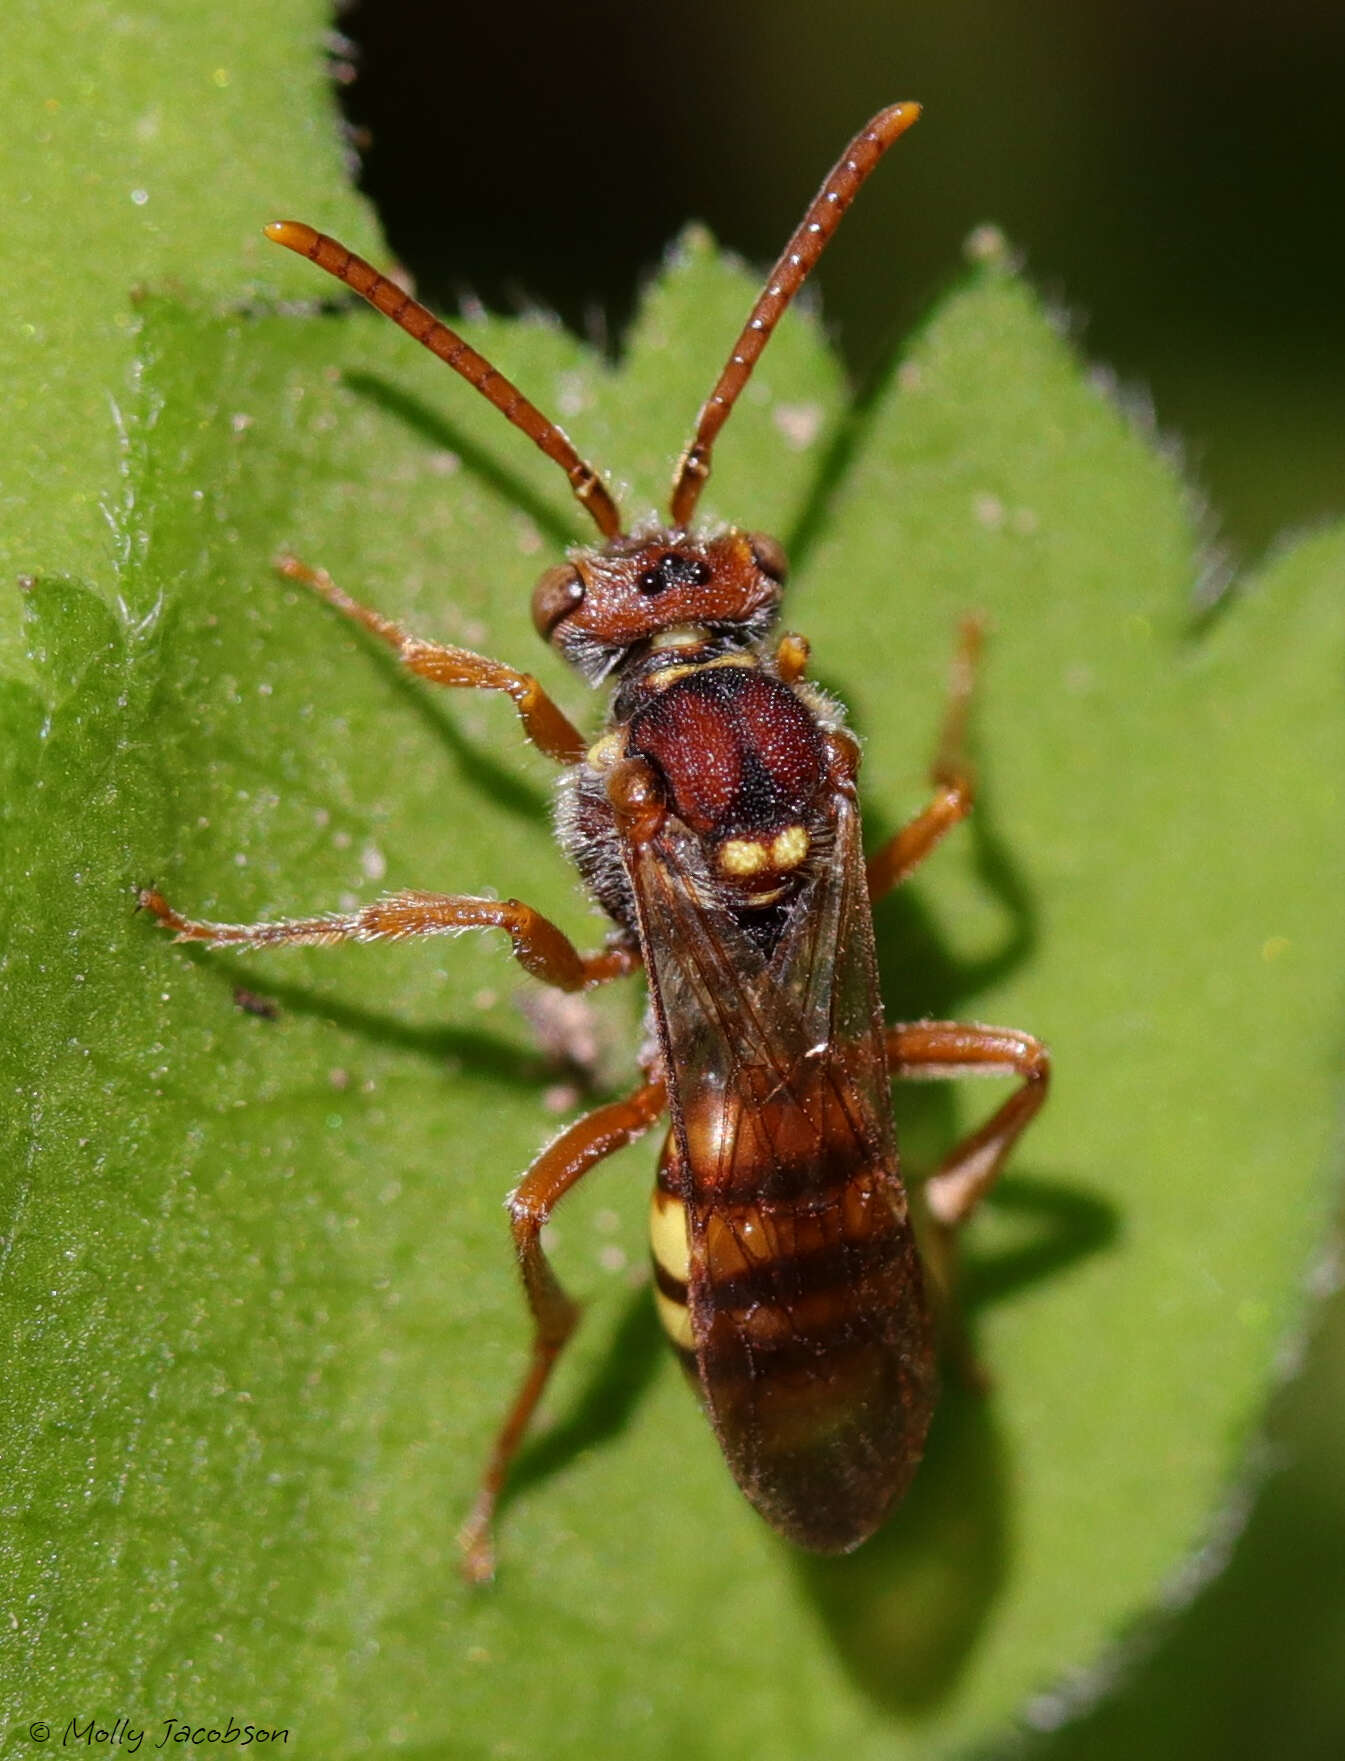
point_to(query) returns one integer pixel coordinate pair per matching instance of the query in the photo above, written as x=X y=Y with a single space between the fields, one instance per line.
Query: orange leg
x=932 y=1050
x=937 y=1050
x=545 y=725
x=952 y=775
x=539 y=947
x=554 y=1314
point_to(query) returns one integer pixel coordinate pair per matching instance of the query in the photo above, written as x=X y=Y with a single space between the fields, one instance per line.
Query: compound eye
x=555 y=596
x=769 y=555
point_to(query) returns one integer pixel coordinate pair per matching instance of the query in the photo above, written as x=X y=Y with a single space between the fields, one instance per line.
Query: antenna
x=436 y=336
x=788 y=276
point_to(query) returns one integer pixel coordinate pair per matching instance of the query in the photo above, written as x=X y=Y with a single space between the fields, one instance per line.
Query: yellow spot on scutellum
x=743 y=856
x=668 y=1240
x=789 y=847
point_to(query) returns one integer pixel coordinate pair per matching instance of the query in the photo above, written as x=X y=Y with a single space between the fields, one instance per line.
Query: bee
x=715 y=820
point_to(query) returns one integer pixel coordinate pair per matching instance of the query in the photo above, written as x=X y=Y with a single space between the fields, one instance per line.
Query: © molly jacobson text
x=123 y=1734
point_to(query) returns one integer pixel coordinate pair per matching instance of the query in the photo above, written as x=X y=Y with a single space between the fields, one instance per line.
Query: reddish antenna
x=436 y=336
x=788 y=276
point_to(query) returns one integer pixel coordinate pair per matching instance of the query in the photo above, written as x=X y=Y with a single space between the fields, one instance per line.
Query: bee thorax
x=743 y=764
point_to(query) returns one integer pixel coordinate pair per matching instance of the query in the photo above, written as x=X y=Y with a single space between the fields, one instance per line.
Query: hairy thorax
x=741 y=762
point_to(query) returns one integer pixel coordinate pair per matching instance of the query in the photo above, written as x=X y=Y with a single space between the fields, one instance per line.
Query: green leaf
x=144 y=144
x=258 y=1289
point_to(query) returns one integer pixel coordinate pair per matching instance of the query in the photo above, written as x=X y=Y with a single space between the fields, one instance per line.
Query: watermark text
x=124 y=1733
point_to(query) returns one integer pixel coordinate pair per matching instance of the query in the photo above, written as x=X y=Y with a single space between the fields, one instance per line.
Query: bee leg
x=952 y=775
x=791 y=657
x=539 y=947
x=544 y=723
x=935 y=1050
x=554 y=1314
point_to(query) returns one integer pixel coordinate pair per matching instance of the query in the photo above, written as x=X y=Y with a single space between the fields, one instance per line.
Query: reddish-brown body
x=809 y=1324
x=716 y=821
x=806 y=1321
x=813 y=1351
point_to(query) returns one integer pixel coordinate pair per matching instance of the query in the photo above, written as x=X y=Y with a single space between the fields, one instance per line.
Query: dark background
x=1173 y=172
x=1172 y=169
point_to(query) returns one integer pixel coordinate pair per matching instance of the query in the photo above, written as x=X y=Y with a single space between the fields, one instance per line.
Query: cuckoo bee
x=715 y=821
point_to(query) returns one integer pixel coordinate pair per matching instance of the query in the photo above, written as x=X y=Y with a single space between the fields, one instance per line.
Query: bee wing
x=796 y=1038
x=807 y=1308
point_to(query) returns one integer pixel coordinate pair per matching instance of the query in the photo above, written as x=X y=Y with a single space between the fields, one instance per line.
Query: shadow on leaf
x=482 y=1054
x=502 y=786
x=913 y=961
x=607 y=1404
x=432 y=426
x=906 y=1610
x=1072 y=1225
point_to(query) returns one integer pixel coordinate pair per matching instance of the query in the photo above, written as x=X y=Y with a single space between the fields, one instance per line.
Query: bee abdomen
x=670 y=1253
x=815 y=1356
